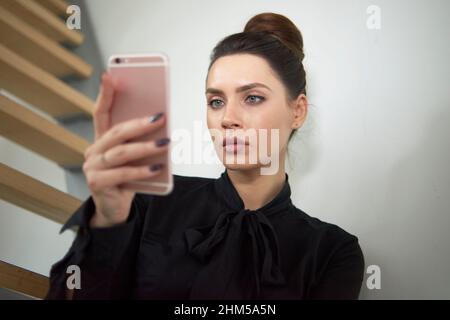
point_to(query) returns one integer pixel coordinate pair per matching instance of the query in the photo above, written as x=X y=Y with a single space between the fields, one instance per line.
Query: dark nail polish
x=162 y=142
x=155 y=117
x=156 y=167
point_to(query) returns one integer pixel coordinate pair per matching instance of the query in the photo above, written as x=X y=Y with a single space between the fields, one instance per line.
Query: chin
x=241 y=167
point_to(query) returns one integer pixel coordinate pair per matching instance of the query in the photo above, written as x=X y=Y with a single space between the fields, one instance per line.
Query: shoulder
x=336 y=254
x=337 y=257
x=320 y=229
x=329 y=240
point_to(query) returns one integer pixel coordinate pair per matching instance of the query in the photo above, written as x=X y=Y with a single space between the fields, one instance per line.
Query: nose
x=230 y=118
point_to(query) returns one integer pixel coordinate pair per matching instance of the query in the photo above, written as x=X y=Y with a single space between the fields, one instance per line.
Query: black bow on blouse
x=240 y=250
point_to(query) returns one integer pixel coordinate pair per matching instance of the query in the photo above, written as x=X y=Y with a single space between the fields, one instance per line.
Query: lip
x=233 y=141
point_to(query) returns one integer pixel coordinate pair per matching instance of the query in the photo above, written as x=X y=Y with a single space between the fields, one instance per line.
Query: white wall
x=373 y=157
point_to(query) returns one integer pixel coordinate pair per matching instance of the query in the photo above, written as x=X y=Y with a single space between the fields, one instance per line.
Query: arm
x=343 y=276
x=106 y=256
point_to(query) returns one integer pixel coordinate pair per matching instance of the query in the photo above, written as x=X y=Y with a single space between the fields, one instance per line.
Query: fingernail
x=156 y=167
x=162 y=142
x=155 y=117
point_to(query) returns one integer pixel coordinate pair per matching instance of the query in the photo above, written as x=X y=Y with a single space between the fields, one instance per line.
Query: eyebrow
x=240 y=89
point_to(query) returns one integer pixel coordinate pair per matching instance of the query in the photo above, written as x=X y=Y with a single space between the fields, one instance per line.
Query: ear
x=300 y=110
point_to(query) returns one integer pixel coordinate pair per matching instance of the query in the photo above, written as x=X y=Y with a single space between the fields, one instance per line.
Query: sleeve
x=105 y=256
x=344 y=274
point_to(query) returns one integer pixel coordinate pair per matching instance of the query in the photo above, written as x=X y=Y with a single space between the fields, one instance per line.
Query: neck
x=255 y=189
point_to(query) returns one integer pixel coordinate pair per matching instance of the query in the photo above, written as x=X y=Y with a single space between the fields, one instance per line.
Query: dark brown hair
x=276 y=39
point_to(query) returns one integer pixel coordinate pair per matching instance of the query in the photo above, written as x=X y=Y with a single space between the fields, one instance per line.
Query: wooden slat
x=58 y=7
x=40 y=88
x=34 y=132
x=36 y=196
x=37 y=48
x=22 y=280
x=43 y=20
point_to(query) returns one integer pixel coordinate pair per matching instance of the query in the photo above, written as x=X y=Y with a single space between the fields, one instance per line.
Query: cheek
x=211 y=120
x=273 y=117
x=279 y=118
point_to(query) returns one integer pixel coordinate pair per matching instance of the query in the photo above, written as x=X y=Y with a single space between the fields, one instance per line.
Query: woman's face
x=246 y=99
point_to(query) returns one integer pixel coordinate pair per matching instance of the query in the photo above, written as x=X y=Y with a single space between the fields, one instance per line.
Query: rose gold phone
x=141 y=84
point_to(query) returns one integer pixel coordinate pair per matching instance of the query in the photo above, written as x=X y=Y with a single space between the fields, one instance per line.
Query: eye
x=253 y=100
x=213 y=105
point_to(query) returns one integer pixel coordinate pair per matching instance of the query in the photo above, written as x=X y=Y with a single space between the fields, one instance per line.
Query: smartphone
x=141 y=84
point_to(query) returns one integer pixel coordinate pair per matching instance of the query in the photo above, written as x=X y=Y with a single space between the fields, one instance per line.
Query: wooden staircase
x=23 y=281
x=34 y=61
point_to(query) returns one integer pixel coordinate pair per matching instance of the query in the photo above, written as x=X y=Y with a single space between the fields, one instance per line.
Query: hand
x=105 y=165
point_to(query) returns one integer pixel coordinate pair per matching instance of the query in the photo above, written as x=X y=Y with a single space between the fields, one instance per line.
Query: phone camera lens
x=118 y=60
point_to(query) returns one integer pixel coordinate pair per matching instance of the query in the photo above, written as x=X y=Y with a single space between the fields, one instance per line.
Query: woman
x=235 y=237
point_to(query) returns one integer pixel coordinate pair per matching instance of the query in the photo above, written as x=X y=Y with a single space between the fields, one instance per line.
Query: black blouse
x=199 y=242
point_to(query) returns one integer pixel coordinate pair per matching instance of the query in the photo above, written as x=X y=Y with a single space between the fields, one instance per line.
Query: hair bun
x=280 y=27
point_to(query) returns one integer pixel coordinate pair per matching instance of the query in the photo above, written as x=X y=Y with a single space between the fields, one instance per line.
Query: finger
x=125 y=153
x=102 y=111
x=124 y=131
x=99 y=180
